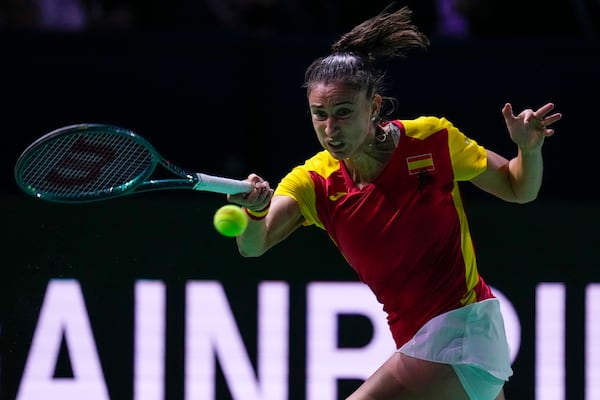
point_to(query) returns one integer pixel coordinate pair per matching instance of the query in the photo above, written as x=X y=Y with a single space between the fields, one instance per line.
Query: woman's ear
x=376 y=107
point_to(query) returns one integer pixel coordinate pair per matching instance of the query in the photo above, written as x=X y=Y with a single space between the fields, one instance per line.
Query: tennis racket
x=90 y=162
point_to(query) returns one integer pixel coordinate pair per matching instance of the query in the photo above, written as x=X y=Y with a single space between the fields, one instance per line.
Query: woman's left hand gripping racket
x=90 y=162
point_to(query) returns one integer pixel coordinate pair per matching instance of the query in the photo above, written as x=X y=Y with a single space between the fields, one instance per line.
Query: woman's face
x=341 y=117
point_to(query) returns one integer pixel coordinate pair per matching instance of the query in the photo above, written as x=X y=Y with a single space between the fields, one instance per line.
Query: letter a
x=63 y=313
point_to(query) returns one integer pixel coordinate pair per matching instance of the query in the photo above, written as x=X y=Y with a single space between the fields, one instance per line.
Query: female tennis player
x=387 y=193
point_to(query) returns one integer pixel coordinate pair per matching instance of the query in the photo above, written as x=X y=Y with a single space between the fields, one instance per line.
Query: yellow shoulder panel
x=298 y=185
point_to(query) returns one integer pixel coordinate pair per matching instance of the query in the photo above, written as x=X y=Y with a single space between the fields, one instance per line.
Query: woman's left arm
x=519 y=179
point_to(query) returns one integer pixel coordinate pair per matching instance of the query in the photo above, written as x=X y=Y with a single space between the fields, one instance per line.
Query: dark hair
x=356 y=57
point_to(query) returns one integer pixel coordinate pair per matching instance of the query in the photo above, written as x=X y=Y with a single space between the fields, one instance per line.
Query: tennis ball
x=230 y=220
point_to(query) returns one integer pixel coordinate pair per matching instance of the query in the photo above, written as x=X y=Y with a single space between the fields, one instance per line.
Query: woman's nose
x=330 y=126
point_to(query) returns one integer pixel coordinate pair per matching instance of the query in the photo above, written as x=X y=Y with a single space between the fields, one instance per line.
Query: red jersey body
x=405 y=234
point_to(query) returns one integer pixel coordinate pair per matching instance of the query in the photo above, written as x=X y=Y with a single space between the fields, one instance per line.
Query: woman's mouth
x=336 y=144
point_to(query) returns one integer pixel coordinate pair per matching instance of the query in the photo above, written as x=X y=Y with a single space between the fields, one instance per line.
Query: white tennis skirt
x=473 y=340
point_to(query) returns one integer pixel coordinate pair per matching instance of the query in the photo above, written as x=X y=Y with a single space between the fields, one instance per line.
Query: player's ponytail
x=355 y=58
x=391 y=33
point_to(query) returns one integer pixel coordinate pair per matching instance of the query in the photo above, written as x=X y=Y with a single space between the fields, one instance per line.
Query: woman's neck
x=366 y=166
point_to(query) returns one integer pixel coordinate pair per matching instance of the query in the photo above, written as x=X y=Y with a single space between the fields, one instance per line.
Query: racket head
x=85 y=162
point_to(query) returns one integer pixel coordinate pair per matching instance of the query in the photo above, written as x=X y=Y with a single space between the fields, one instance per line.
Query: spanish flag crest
x=417 y=164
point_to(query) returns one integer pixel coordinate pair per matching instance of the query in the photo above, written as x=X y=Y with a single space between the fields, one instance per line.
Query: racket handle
x=218 y=184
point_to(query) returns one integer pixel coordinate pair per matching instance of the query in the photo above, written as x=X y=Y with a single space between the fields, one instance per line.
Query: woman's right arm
x=282 y=218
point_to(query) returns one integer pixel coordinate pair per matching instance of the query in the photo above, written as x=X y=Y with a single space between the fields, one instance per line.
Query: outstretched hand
x=529 y=128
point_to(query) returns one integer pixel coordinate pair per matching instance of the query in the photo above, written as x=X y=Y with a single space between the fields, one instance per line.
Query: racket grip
x=218 y=184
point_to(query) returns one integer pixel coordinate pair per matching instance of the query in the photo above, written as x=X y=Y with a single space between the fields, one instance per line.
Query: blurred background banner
x=139 y=298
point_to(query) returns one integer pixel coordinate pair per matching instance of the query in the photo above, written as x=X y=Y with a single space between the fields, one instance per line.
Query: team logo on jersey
x=422 y=162
x=337 y=196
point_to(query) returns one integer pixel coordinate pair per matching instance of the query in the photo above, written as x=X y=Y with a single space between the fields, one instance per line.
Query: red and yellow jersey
x=406 y=233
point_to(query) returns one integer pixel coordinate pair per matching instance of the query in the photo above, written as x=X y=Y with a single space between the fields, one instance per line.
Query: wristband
x=258 y=215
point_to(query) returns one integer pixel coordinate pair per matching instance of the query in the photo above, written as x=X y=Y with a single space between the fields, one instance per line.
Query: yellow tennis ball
x=230 y=220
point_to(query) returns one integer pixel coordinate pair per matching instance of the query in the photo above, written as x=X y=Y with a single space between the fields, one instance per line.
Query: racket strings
x=87 y=165
x=133 y=163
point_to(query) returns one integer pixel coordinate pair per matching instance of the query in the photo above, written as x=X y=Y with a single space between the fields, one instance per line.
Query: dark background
x=226 y=99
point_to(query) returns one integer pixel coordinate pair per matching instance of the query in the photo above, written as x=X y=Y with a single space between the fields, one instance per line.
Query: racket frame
x=141 y=183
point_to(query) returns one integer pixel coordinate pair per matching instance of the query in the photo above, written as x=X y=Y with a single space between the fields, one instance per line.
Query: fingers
x=529 y=117
x=257 y=198
x=507 y=112
x=529 y=127
x=546 y=120
x=260 y=196
x=538 y=119
x=550 y=119
x=545 y=109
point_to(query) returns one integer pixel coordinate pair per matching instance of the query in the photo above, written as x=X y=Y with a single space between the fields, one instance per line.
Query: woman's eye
x=319 y=115
x=322 y=115
x=344 y=112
